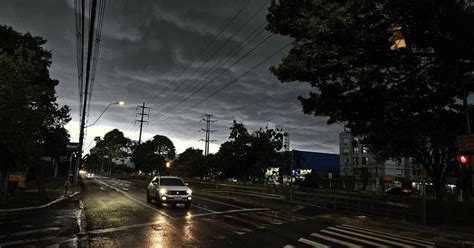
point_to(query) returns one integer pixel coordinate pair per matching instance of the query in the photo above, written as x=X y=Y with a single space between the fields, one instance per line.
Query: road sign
x=466 y=142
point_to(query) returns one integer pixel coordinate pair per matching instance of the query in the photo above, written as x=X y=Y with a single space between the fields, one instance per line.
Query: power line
x=233 y=81
x=213 y=55
x=221 y=30
x=230 y=21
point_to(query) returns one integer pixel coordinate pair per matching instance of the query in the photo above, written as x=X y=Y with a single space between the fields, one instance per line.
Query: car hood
x=176 y=188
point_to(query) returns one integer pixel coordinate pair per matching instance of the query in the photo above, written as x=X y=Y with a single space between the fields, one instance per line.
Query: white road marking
x=246 y=229
x=312 y=243
x=133 y=199
x=30 y=232
x=203 y=208
x=288 y=246
x=121 y=228
x=37 y=207
x=391 y=235
x=261 y=227
x=337 y=241
x=354 y=238
x=231 y=211
x=387 y=236
x=369 y=237
x=239 y=233
x=25 y=241
x=102 y=188
x=218 y=202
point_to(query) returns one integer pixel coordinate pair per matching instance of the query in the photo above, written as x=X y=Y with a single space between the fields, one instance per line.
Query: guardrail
x=247 y=194
x=425 y=211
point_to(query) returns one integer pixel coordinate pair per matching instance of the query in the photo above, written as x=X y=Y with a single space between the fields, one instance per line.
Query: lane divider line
x=135 y=200
x=218 y=202
x=203 y=208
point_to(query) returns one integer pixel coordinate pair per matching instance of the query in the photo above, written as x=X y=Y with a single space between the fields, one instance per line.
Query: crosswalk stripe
x=312 y=243
x=337 y=241
x=393 y=235
x=369 y=237
x=388 y=236
x=354 y=238
x=288 y=246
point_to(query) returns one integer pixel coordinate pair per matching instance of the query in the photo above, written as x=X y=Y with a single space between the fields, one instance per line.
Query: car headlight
x=189 y=191
x=163 y=191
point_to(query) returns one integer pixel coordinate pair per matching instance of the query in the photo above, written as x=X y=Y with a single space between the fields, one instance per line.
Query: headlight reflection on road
x=155 y=236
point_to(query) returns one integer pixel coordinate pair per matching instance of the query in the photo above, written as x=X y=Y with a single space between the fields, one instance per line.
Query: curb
x=38 y=207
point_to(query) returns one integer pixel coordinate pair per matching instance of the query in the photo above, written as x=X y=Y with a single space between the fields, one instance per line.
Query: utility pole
x=86 y=90
x=208 y=131
x=141 y=121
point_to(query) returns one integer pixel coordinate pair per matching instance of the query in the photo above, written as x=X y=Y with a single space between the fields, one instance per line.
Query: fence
x=420 y=210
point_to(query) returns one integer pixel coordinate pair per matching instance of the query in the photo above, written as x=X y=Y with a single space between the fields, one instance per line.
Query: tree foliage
x=31 y=122
x=191 y=163
x=113 y=146
x=153 y=154
x=247 y=156
x=403 y=103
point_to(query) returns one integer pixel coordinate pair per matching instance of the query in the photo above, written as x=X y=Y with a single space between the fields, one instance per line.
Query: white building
x=356 y=157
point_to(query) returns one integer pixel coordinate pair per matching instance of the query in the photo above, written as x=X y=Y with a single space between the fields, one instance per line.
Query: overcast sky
x=147 y=44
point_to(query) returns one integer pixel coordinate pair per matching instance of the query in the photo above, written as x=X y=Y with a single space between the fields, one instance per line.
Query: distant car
x=168 y=189
x=398 y=191
x=90 y=175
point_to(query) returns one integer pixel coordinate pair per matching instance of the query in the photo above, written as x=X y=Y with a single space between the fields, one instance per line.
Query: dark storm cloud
x=146 y=44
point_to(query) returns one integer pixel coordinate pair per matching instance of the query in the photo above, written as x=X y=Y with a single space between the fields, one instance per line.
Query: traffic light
x=463 y=159
x=397 y=36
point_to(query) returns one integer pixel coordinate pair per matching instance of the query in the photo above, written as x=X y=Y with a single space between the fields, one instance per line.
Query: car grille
x=180 y=192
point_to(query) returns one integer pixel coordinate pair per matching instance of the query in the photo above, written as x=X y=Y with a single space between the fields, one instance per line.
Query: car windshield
x=171 y=182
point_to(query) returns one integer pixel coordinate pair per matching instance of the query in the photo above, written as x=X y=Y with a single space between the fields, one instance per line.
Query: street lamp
x=168 y=164
x=121 y=103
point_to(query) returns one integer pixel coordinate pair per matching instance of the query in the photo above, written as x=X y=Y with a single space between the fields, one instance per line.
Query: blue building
x=320 y=162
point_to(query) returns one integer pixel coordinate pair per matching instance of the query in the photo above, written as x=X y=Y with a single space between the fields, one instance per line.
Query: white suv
x=168 y=189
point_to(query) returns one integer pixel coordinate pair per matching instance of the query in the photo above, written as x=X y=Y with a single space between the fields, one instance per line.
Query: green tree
x=403 y=103
x=153 y=154
x=247 y=156
x=31 y=122
x=190 y=163
x=113 y=146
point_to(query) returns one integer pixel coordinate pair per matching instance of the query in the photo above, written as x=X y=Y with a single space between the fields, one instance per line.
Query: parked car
x=398 y=191
x=168 y=189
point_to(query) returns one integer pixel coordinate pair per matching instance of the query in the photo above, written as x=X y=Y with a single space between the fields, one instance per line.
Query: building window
x=399 y=161
x=356 y=150
x=346 y=141
x=356 y=161
x=365 y=149
x=345 y=151
x=346 y=161
x=365 y=160
x=399 y=172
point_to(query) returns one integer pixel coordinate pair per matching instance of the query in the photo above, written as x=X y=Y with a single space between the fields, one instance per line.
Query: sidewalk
x=29 y=196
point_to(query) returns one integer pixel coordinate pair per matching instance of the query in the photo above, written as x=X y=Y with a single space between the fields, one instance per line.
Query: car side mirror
x=154 y=183
x=187 y=184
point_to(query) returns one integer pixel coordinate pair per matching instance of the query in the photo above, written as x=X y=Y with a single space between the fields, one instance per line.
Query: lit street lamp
x=108 y=106
x=168 y=164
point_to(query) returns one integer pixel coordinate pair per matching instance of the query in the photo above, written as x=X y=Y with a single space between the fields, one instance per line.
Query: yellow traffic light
x=397 y=36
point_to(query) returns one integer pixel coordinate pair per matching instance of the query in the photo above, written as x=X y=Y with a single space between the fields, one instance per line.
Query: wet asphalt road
x=114 y=213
